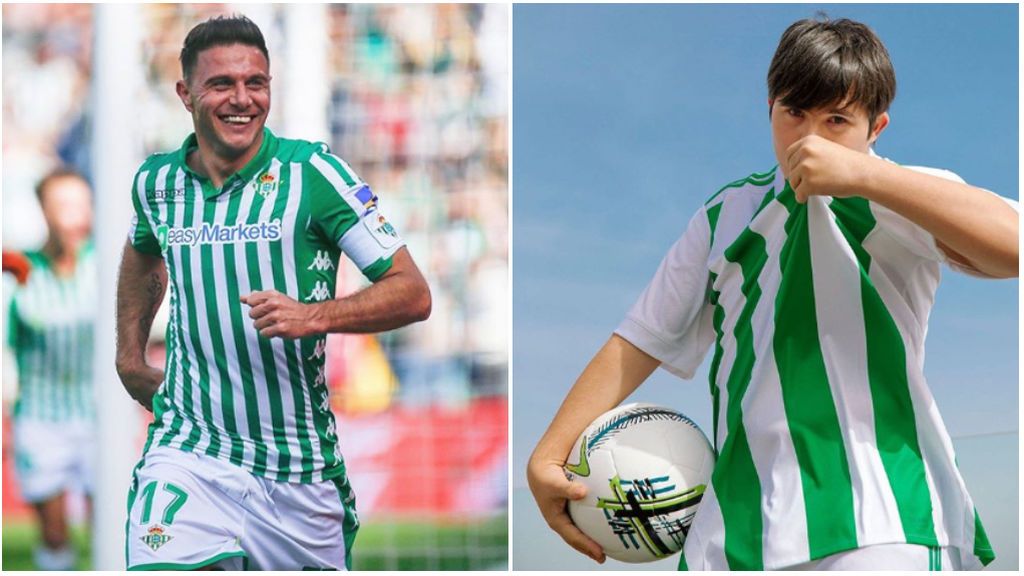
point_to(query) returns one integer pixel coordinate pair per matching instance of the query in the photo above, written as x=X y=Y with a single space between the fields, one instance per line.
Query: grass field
x=404 y=545
x=20 y=538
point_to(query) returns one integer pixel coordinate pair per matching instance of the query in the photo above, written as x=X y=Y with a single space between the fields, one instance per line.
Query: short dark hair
x=54 y=175
x=821 y=62
x=220 y=31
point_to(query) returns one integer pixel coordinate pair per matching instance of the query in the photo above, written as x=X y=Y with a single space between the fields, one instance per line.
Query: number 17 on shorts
x=176 y=522
x=156 y=536
x=188 y=511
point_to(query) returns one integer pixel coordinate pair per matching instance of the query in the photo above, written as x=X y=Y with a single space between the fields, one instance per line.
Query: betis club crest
x=266 y=184
x=156 y=537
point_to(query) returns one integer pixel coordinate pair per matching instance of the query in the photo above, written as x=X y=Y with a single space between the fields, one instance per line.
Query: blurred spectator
x=46 y=70
x=409 y=110
x=50 y=327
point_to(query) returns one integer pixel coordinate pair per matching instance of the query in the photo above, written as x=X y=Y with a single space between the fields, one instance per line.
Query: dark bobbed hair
x=220 y=31
x=825 y=62
x=52 y=176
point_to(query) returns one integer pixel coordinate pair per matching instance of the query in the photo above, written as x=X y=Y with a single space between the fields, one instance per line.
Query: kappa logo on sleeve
x=321 y=262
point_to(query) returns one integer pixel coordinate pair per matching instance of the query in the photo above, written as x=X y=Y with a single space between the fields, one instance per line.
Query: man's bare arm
x=400 y=297
x=612 y=375
x=141 y=284
x=970 y=225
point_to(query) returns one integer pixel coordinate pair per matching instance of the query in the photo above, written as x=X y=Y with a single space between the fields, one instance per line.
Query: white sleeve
x=671 y=320
x=915 y=238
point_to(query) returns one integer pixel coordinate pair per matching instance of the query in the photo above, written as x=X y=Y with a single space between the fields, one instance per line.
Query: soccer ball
x=645 y=468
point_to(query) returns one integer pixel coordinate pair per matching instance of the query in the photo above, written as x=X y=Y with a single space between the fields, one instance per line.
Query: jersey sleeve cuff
x=374 y=271
x=639 y=335
x=145 y=247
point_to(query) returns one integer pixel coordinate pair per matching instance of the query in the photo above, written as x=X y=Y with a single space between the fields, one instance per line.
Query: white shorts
x=51 y=457
x=189 y=511
x=888 y=557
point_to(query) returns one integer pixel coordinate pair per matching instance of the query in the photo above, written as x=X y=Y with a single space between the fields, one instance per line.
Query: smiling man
x=241 y=467
x=814 y=282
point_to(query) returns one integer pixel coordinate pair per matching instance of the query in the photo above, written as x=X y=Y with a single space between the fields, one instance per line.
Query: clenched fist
x=276 y=314
x=816 y=166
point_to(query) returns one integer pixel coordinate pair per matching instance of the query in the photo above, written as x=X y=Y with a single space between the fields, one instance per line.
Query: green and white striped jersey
x=280 y=223
x=827 y=435
x=51 y=333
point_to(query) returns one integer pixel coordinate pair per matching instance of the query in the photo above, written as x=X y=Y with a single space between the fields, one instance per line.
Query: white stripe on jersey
x=277 y=344
x=198 y=292
x=241 y=263
x=262 y=389
x=936 y=449
x=704 y=555
x=938 y=506
x=732 y=309
x=227 y=333
x=732 y=303
x=179 y=317
x=288 y=226
x=784 y=516
x=161 y=179
x=844 y=350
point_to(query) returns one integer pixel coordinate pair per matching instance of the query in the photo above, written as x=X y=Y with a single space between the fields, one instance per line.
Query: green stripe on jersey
x=895 y=435
x=244 y=208
x=716 y=321
x=281 y=223
x=810 y=407
x=221 y=274
x=737 y=486
x=982 y=548
x=298 y=406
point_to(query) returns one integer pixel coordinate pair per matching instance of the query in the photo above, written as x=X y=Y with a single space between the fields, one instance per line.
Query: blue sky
x=626 y=117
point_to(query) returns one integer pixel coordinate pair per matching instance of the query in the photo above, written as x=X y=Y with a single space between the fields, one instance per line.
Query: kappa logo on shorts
x=156 y=537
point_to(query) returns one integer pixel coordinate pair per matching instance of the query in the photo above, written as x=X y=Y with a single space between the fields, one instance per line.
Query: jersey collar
x=267 y=150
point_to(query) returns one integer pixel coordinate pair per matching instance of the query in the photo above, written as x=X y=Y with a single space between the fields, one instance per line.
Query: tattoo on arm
x=141 y=283
x=155 y=290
